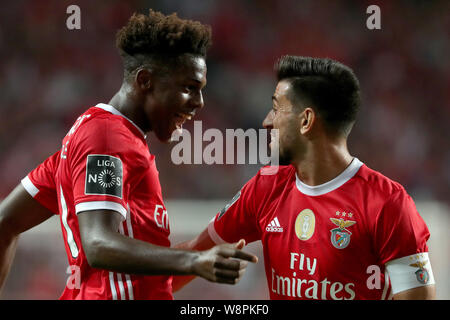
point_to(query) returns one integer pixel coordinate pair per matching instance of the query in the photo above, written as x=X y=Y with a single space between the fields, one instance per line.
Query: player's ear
x=143 y=79
x=307 y=119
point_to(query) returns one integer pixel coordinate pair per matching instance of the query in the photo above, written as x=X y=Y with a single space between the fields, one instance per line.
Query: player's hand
x=224 y=263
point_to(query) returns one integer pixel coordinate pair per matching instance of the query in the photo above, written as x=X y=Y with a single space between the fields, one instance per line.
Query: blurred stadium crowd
x=49 y=75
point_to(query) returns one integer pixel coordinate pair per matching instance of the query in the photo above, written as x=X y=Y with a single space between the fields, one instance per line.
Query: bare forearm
x=105 y=248
x=201 y=242
x=180 y=281
x=122 y=254
x=18 y=213
x=7 y=252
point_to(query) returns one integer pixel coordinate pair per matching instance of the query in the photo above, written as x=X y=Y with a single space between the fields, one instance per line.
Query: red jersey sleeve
x=238 y=219
x=40 y=183
x=101 y=164
x=401 y=243
x=399 y=229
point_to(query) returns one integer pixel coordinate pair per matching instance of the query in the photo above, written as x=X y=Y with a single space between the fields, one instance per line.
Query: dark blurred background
x=49 y=75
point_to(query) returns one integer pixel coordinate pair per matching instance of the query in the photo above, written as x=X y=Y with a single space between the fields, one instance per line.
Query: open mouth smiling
x=181 y=118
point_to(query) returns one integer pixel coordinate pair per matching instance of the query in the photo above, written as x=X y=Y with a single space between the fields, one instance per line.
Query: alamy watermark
x=226 y=148
x=73 y=21
x=374 y=20
x=74 y=279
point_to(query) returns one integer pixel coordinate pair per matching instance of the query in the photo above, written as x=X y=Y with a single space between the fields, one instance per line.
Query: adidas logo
x=274 y=226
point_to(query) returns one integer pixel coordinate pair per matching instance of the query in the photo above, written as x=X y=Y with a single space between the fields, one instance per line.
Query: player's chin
x=164 y=135
x=172 y=134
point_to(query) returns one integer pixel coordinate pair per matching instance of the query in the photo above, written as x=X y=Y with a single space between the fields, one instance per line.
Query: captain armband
x=410 y=272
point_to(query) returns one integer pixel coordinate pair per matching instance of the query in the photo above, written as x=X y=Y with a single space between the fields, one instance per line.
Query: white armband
x=410 y=272
x=29 y=186
x=101 y=205
x=213 y=233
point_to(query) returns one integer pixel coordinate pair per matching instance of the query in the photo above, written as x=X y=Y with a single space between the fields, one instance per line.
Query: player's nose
x=268 y=121
x=197 y=101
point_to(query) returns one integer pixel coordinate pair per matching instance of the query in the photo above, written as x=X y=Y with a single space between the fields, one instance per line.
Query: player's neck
x=124 y=102
x=323 y=162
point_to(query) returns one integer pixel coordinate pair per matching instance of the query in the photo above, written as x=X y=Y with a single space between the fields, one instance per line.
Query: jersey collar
x=331 y=185
x=113 y=110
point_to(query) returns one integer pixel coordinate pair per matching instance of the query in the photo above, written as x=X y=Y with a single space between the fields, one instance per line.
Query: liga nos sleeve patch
x=104 y=175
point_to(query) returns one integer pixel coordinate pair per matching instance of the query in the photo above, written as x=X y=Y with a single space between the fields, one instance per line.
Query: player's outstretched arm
x=106 y=248
x=18 y=213
x=420 y=293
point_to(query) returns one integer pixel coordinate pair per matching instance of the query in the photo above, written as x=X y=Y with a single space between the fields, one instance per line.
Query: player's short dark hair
x=156 y=38
x=328 y=86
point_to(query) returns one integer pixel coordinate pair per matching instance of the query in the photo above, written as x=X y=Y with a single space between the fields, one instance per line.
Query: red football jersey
x=105 y=163
x=329 y=241
x=40 y=183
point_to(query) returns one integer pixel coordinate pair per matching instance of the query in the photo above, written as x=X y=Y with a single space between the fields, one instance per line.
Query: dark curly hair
x=156 y=37
x=328 y=86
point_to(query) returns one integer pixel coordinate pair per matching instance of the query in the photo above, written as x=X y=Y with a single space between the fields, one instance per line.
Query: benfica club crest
x=340 y=237
x=422 y=273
